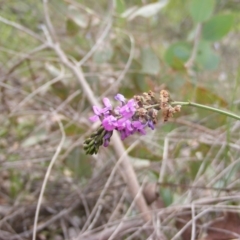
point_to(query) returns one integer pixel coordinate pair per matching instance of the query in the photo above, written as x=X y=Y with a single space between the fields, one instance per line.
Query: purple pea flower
x=107 y=104
x=139 y=127
x=150 y=124
x=98 y=111
x=124 y=123
x=119 y=97
x=106 y=138
x=128 y=110
x=101 y=111
x=109 y=123
x=124 y=134
x=124 y=126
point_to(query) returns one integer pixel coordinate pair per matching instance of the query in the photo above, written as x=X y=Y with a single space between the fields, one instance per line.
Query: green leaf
x=206 y=58
x=217 y=27
x=149 y=10
x=80 y=18
x=71 y=27
x=120 y=6
x=194 y=167
x=150 y=61
x=201 y=10
x=167 y=196
x=177 y=54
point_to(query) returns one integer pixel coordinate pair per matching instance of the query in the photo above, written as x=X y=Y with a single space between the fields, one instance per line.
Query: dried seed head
x=177 y=108
x=164 y=94
x=137 y=98
x=164 y=99
x=146 y=97
x=151 y=93
x=142 y=111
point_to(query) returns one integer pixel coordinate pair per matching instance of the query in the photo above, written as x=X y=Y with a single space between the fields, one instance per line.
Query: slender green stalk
x=223 y=112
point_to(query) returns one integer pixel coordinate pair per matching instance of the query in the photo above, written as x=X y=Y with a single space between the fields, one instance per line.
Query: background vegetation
x=189 y=47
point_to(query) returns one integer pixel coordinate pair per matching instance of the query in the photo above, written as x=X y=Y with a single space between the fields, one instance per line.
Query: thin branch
x=48 y=20
x=164 y=161
x=193 y=223
x=105 y=234
x=21 y=28
x=189 y=223
x=38 y=90
x=97 y=44
x=213 y=109
x=58 y=150
x=28 y=233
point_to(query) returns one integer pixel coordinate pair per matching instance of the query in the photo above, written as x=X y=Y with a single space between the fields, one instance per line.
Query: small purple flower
x=124 y=126
x=119 y=97
x=98 y=111
x=128 y=110
x=150 y=124
x=101 y=111
x=139 y=127
x=107 y=104
x=124 y=134
x=124 y=123
x=109 y=123
x=106 y=138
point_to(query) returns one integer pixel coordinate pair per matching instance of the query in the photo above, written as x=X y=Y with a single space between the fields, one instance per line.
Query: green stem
x=232 y=115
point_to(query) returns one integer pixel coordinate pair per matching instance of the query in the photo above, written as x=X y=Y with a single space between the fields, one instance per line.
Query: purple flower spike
x=119 y=97
x=109 y=123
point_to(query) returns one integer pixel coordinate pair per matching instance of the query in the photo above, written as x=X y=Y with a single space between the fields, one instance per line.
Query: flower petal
x=109 y=123
x=129 y=125
x=106 y=142
x=106 y=138
x=94 y=118
x=150 y=124
x=107 y=103
x=123 y=134
x=120 y=97
x=137 y=124
x=142 y=131
x=97 y=110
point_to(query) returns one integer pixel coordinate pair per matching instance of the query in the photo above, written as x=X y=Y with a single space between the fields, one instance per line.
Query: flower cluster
x=131 y=116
